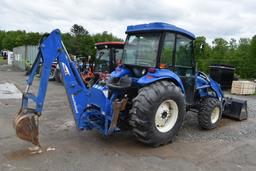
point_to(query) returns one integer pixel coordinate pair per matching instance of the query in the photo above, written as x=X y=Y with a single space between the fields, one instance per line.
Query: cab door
x=185 y=66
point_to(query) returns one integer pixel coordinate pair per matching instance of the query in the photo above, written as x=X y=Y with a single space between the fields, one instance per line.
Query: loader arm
x=91 y=108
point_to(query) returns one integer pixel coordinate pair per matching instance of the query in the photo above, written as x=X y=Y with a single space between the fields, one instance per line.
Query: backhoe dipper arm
x=80 y=98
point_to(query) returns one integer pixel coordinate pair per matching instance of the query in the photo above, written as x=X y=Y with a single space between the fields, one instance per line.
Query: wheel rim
x=215 y=115
x=51 y=74
x=166 y=116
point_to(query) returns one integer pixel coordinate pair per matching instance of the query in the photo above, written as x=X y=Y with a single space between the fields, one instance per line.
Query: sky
x=209 y=18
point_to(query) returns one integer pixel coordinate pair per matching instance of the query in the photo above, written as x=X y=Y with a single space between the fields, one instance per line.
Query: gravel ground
x=232 y=146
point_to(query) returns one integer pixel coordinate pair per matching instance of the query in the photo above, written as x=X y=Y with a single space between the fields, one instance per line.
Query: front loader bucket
x=235 y=109
x=26 y=125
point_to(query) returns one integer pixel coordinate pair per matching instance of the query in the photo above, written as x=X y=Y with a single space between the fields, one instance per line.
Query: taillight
x=162 y=66
x=152 y=70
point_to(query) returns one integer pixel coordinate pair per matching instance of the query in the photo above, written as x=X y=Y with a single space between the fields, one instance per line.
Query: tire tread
x=140 y=118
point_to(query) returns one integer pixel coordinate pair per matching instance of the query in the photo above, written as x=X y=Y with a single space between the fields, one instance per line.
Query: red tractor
x=108 y=56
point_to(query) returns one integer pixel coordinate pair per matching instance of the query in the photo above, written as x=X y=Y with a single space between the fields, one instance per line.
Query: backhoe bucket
x=26 y=125
x=235 y=109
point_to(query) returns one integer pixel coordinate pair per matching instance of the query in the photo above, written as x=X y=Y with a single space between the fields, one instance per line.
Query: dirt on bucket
x=26 y=126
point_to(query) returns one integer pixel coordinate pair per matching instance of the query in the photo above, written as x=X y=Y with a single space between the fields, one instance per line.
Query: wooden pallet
x=243 y=87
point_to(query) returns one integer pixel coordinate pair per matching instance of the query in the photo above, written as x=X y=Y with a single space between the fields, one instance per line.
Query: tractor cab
x=107 y=56
x=160 y=50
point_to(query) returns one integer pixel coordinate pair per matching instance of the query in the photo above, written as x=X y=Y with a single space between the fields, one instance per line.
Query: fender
x=161 y=74
x=203 y=82
x=120 y=71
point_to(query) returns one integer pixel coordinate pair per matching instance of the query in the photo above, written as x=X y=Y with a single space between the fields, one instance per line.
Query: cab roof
x=157 y=26
x=109 y=43
x=104 y=45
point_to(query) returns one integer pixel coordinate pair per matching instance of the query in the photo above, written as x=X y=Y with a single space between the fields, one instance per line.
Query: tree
x=32 y=38
x=78 y=30
x=251 y=59
x=219 y=51
x=239 y=53
x=232 y=44
x=2 y=35
x=202 y=52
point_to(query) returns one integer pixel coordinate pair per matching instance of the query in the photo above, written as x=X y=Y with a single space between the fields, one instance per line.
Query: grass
x=1 y=59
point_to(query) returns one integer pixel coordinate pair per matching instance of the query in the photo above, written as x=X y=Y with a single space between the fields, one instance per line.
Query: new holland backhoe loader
x=151 y=91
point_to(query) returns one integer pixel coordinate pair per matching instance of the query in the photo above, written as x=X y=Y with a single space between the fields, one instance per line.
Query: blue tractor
x=149 y=93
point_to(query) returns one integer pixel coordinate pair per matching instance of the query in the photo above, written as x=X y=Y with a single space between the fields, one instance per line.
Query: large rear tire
x=209 y=114
x=157 y=113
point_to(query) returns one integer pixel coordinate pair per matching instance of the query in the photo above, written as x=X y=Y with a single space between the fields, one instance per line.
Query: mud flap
x=235 y=109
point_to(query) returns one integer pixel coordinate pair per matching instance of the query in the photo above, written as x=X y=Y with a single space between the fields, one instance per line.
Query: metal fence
x=24 y=56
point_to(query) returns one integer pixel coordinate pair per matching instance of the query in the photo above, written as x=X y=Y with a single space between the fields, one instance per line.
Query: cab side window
x=167 y=51
x=184 y=55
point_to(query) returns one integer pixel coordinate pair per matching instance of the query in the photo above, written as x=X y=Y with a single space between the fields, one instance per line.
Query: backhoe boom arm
x=91 y=108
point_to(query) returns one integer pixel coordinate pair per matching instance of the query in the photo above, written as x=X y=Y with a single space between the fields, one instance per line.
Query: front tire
x=209 y=114
x=52 y=74
x=157 y=113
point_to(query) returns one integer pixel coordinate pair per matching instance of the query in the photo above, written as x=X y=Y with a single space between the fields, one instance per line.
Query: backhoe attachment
x=91 y=107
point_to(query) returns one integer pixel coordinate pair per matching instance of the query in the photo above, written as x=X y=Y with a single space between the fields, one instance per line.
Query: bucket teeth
x=26 y=126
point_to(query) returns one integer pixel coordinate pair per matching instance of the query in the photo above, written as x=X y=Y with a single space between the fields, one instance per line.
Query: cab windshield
x=141 y=49
x=102 y=60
